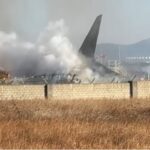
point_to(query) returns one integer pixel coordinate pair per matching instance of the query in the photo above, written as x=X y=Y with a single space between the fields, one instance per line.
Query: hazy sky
x=124 y=21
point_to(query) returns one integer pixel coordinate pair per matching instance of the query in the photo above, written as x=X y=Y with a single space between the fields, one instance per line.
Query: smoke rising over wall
x=51 y=53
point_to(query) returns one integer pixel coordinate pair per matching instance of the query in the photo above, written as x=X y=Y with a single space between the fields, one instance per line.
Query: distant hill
x=111 y=51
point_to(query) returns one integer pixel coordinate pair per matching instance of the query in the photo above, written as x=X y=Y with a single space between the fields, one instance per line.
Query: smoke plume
x=51 y=53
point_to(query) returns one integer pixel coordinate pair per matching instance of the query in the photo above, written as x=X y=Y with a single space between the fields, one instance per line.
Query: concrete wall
x=89 y=91
x=143 y=89
x=22 y=92
x=76 y=91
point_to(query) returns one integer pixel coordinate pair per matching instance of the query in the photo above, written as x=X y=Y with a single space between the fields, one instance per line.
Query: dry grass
x=75 y=124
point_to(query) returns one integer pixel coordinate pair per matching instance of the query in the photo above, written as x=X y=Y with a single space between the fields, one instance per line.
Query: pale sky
x=124 y=21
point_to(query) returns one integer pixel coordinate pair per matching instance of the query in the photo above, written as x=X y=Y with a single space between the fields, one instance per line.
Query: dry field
x=75 y=124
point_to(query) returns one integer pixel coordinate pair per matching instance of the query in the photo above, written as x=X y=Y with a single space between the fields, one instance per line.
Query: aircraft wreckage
x=86 y=53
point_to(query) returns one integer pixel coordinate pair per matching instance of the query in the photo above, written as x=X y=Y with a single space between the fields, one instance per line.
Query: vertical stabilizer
x=89 y=45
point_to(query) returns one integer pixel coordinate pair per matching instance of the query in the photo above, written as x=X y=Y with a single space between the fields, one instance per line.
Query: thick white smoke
x=57 y=48
x=53 y=52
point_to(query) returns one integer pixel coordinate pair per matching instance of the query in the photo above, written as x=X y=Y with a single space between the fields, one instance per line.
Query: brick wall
x=22 y=92
x=91 y=91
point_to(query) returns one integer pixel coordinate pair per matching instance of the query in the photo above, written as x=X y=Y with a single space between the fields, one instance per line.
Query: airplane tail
x=89 y=45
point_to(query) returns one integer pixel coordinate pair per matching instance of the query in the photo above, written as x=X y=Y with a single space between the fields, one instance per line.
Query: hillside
x=141 y=48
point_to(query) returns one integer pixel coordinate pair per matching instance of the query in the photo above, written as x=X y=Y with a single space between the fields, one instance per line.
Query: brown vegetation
x=75 y=124
x=4 y=75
